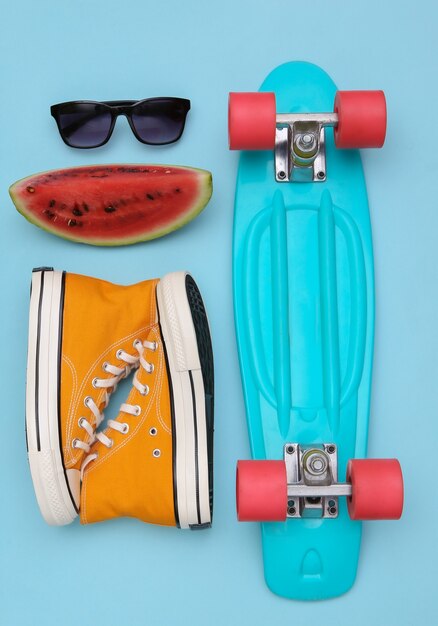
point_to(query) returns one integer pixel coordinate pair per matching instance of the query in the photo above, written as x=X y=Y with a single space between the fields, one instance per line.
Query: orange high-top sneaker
x=154 y=461
x=81 y=334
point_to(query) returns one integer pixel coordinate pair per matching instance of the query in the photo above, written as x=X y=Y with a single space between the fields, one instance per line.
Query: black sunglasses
x=88 y=124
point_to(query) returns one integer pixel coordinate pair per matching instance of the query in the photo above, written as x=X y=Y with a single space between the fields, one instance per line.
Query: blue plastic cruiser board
x=304 y=313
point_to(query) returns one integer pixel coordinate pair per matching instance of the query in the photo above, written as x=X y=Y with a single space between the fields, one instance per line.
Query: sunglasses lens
x=84 y=124
x=159 y=121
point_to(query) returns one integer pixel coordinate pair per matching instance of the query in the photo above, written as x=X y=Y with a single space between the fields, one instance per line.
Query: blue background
x=125 y=572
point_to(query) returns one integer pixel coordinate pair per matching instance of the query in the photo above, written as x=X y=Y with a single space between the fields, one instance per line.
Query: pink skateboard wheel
x=377 y=486
x=251 y=121
x=261 y=491
x=362 y=119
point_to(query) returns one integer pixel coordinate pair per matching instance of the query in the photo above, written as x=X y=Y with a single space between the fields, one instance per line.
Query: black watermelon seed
x=52 y=203
x=177 y=190
x=77 y=212
x=109 y=209
x=72 y=223
x=85 y=207
x=150 y=196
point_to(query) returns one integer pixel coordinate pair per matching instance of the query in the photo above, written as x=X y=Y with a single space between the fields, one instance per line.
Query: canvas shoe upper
x=154 y=461
x=81 y=334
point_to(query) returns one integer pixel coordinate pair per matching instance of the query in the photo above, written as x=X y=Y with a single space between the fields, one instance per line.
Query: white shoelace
x=118 y=373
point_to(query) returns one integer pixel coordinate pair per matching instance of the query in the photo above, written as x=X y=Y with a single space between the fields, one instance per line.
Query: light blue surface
x=124 y=572
x=304 y=307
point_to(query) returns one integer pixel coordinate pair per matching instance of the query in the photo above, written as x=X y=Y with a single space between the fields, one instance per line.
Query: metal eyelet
x=118 y=354
x=94 y=382
x=153 y=431
x=136 y=342
x=111 y=443
x=156 y=453
x=151 y=368
x=145 y=390
x=87 y=400
x=155 y=346
x=74 y=443
x=125 y=428
x=104 y=366
x=81 y=420
x=137 y=409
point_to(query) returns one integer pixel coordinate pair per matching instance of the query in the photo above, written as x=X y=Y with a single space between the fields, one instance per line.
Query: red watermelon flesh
x=113 y=204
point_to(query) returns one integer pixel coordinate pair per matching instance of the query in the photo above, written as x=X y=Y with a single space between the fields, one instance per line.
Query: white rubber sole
x=57 y=496
x=190 y=451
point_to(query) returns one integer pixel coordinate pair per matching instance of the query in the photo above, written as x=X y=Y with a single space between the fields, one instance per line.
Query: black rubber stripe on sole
x=25 y=419
x=60 y=334
x=205 y=351
x=37 y=360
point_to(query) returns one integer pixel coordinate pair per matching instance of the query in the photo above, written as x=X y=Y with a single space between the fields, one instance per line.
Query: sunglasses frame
x=116 y=108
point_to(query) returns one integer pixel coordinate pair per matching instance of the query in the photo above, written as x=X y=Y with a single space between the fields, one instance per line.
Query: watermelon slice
x=113 y=205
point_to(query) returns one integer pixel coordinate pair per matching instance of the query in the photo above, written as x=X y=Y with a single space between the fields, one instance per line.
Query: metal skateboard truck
x=305 y=485
x=312 y=487
x=358 y=119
